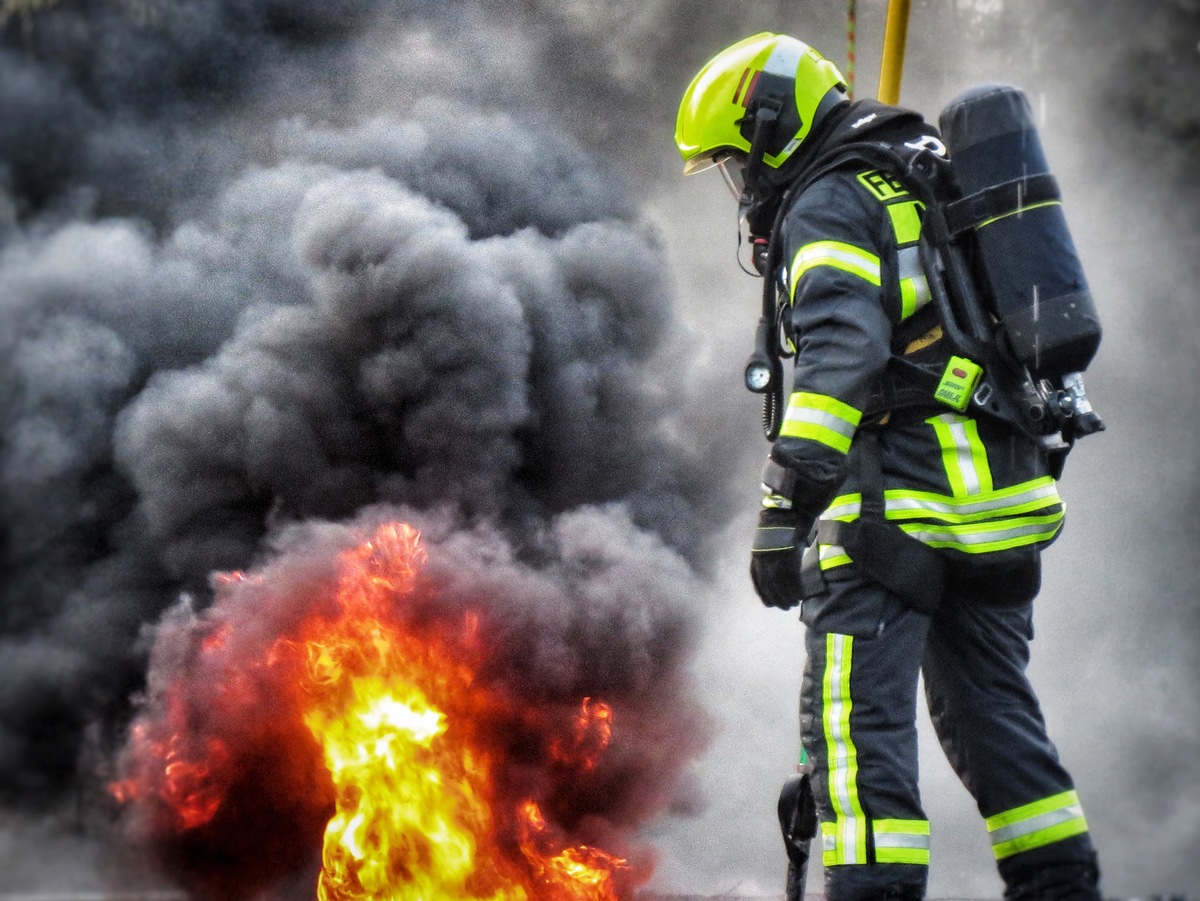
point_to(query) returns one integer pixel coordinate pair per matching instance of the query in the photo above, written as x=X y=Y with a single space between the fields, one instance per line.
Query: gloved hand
x=775 y=557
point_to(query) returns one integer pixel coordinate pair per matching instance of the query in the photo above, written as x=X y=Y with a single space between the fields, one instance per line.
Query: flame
x=590 y=738
x=579 y=873
x=184 y=783
x=411 y=737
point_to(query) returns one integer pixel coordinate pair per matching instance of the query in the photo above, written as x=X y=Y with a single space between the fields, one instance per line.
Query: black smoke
x=257 y=272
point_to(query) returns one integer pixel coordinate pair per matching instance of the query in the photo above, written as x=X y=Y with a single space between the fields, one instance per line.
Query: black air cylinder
x=1011 y=203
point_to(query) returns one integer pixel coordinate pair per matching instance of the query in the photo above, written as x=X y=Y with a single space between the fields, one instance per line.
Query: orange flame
x=408 y=733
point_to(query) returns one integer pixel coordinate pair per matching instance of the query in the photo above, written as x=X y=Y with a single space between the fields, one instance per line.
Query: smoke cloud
x=269 y=268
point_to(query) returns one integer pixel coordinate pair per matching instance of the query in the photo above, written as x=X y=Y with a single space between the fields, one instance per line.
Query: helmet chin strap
x=757 y=189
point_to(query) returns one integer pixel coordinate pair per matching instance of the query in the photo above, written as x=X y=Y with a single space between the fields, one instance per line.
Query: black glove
x=775 y=558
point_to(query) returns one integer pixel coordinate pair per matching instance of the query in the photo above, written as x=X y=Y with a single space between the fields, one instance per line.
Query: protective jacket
x=969 y=485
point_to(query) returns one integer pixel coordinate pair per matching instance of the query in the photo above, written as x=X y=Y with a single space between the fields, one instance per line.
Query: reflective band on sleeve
x=901 y=841
x=1036 y=825
x=848 y=831
x=831 y=555
x=914 y=288
x=963 y=454
x=769 y=539
x=820 y=418
x=838 y=255
x=906 y=221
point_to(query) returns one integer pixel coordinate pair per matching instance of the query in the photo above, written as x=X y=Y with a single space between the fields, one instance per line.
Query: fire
x=411 y=736
x=591 y=735
x=578 y=873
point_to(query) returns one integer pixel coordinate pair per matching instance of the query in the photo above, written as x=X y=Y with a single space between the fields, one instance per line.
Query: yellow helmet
x=717 y=115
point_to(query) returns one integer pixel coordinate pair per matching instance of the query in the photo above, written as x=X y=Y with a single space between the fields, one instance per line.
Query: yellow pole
x=894 y=36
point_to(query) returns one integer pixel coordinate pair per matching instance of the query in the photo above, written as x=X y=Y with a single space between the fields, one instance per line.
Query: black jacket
x=975 y=487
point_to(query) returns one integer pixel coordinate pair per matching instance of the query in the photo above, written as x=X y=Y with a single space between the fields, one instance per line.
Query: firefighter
x=858 y=455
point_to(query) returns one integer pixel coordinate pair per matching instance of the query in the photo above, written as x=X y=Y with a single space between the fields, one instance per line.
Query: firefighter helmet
x=718 y=114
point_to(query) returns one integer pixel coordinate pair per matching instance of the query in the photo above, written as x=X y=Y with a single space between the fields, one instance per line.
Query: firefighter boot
x=875 y=882
x=1035 y=876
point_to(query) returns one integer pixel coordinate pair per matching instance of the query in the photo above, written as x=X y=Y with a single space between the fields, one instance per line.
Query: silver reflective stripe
x=1036 y=824
x=1038 y=497
x=901 y=840
x=931 y=534
x=821 y=418
x=1047 y=493
x=911 y=271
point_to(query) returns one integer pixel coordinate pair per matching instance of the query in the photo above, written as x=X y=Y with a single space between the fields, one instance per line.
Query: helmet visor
x=733 y=169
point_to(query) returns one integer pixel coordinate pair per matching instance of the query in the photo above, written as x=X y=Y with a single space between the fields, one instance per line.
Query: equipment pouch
x=904 y=566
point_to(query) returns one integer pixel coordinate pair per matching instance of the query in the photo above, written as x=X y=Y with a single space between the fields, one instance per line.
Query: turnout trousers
x=865 y=650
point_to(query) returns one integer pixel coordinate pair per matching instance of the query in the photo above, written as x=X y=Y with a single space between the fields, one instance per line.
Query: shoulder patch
x=883 y=187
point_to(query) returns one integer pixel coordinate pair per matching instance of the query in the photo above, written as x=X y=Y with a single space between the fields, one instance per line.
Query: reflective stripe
x=1019 y=515
x=1026 y=497
x=1036 y=825
x=776 y=502
x=773 y=538
x=901 y=841
x=914 y=288
x=844 y=506
x=984 y=537
x=1018 y=212
x=849 y=828
x=831 y=555
x=906 y=221
x=820 y=418
x=901 y=503
x=838 y=255
x=963 y=454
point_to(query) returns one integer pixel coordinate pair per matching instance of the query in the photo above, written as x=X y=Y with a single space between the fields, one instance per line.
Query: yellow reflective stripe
x=906 y=221
x=831 y=555
x=984 y=537
x=975 y=524
x=844 y=506
x=1018 y=212
x=963 y=454
x=901 y=841
x=903 y=503
x=776 y=502
x=1026 y=497
x=838 y=255
x=849 y=828
x=1036 y=825
x=914 y=287
x=820 y=418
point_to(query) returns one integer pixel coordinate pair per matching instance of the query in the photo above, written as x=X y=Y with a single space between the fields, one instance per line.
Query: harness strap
x=1000 y=200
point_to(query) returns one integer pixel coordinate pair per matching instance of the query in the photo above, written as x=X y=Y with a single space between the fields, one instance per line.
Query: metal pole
x=894 y=37
x=851 y=45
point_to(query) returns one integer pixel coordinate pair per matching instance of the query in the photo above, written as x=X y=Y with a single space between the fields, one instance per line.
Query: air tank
x=1011 y=203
